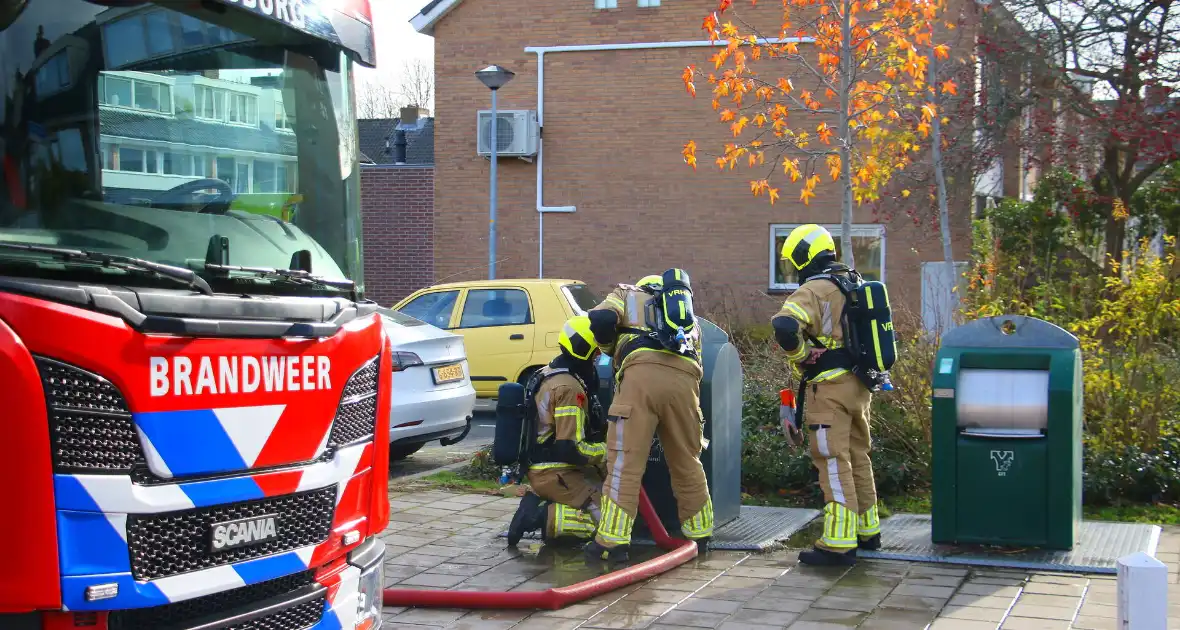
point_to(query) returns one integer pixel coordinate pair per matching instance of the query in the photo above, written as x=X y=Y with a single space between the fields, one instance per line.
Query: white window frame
x=606 y=4
x=862 y=230
x=647 y=4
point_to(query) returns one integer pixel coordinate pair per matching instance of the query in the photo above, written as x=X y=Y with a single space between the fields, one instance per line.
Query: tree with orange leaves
x=856 y=100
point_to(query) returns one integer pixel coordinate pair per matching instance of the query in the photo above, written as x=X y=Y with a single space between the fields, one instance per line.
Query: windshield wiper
x=127 y=263
x=296 y=276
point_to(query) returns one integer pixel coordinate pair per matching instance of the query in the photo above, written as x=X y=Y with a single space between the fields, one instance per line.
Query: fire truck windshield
x=193 y=135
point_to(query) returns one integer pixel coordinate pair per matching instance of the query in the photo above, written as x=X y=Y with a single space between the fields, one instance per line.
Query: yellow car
x=509 y=327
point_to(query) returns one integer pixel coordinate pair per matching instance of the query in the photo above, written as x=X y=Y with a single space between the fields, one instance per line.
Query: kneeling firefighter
x=837 y=331
x=652 y=334
x=564 y=417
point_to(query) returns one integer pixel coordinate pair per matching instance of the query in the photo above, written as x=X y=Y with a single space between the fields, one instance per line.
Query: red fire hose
x=680 y=551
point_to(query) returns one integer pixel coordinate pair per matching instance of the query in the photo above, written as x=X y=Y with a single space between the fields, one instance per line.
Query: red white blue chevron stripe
x=92 y=528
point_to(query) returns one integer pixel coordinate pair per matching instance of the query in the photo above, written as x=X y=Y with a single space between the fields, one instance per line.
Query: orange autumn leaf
x=805 y=196
x=950 y=87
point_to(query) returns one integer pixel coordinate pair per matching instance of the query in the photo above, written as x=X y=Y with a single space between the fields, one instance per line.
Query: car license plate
x=448 y=373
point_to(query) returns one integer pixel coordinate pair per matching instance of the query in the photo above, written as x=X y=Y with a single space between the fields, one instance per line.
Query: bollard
x=1143 y=593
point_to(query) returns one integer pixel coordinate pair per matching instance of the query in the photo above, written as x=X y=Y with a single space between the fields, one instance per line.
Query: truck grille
x=91 y=429
x=182 y=614
x=168 y=544
x=90 y=426
x=356 y=417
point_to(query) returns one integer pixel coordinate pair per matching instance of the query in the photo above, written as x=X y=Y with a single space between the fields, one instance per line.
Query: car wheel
x=527 y=374
x=402 y=451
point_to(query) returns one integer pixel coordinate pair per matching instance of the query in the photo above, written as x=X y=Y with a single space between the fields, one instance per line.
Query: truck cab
x=192 y=375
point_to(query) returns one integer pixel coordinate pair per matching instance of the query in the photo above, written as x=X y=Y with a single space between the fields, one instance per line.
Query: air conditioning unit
x=516 y=131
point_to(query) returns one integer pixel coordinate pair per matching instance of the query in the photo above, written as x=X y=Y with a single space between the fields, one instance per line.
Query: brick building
x=397 y=205
x=615 y=115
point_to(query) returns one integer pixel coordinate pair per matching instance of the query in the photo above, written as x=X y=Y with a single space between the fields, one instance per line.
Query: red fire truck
x=192 y=387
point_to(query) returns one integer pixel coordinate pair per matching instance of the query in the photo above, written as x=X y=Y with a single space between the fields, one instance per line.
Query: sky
x=397 y=41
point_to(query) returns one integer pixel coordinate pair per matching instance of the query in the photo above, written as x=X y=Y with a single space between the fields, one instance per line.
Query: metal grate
x=168 y=544
x=299 y=617
x=89 y=423
x=356 y=417
x=180 y=614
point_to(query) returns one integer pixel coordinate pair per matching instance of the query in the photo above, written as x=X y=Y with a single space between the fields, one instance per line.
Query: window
x=242 y=182
x=606 y=4
x=138 y=37
x=495 y=307
x=117 y=91
x=283 y=119
x=225 y=171
x=643 y=4
x=225 y=106
x=54 y=75
x=131 y=160
x=433 y=308
x=178 y=164
x=122 y=91
x=580 y=297
x=868 y=247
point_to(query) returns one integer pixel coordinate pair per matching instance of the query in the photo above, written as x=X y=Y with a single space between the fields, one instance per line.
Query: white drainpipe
x=540 y=51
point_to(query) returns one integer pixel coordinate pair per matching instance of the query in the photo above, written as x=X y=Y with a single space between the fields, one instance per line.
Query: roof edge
x=430 y=15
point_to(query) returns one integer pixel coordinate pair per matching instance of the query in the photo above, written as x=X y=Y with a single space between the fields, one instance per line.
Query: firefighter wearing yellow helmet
x=651 y=333
x=564 y=502
x=812 y=330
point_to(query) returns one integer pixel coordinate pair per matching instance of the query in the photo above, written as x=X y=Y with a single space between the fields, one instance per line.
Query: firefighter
x=657 y=391
x=569 y=433
x=811 y=329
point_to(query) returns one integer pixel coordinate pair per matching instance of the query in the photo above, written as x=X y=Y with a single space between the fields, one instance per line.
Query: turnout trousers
x=654 y=398
x=574 y=501
x=836 y=413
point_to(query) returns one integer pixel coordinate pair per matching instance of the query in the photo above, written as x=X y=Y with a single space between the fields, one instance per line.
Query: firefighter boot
x=817 y=556
x=612 y=555
x=872 y=543
x=530 y=516
x=702 y=545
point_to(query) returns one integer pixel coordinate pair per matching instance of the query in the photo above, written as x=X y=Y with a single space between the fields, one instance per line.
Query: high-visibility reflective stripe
x=611 y=299
x=572 y=522
x=869 y=523
x=797 y=311
x=798 y=355
x=828 y=375
x=839 y=527
x=831 y=465
x=589 y=450
x=636 y=351
x=701 y=523
x=550 y=466
x=615 y=526
x=544 y=435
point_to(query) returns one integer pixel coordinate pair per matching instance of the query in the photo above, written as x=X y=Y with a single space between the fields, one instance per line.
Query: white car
x=432 y=394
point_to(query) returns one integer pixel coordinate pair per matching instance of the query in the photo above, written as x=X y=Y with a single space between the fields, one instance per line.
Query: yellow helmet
x=654 y=280
x=805 y=243
x=576 y=338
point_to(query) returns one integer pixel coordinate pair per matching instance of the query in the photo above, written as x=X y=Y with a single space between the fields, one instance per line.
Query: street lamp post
x=494 y=77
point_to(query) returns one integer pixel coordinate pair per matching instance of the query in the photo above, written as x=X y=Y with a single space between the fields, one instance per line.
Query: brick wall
x=614 y=125
x=397 y=207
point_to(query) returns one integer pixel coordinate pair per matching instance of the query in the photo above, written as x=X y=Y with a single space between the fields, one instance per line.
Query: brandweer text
x=194 y=376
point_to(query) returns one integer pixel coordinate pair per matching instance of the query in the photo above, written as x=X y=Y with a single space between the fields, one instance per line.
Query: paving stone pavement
x=446 y=540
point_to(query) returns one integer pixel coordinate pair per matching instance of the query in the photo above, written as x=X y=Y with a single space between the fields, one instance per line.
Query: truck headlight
x=370 y=559
x=368 y=603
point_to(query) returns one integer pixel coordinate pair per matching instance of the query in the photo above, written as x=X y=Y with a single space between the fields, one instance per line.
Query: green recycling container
x=1007 y=435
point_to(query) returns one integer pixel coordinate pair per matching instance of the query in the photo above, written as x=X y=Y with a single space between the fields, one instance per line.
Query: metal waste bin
x=721 y=402
x=1007 y=435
